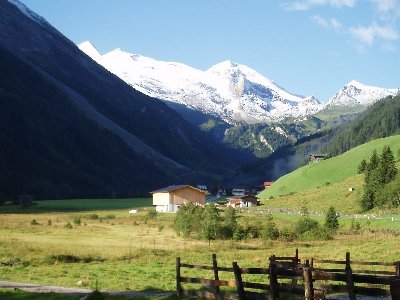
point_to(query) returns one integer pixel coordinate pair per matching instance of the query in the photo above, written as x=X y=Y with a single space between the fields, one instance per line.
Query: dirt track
x=38 y=288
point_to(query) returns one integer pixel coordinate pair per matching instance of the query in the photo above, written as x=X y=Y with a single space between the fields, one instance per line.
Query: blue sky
x=309 y=47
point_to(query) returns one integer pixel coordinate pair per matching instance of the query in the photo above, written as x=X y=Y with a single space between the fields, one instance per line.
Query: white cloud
x=367 y=35
x=385 y=6
x=308 y=4
x=331 y=23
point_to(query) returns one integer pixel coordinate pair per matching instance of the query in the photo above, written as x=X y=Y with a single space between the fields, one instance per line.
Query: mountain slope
x=381 y=119
x=327 y=171
x=230 y=91
x=104 y=115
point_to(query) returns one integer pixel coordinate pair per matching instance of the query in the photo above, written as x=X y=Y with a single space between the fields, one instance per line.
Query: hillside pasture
x=329 y=171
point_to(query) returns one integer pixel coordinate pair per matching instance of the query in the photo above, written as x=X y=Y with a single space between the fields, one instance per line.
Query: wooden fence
x=311 y=279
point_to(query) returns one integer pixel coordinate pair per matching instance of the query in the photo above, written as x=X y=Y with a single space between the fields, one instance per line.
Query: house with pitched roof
x=170 y=199
x=243 y=201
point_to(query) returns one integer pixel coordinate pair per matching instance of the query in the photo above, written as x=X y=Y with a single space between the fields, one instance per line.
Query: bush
x=93 y=217
x=239 y=234
x=286 y=234
x=34 y=222
x=77 y=221
x=68 y=225
x=49 y=222
x=151 y=214
x=270 y=231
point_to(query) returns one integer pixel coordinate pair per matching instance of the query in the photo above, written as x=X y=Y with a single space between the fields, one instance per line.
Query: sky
x=309 y=47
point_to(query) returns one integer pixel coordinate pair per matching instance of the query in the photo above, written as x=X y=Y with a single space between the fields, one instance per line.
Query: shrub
x=49 y=222
x=160 y=227
x=239 y=234
x=93 y=217
x=270 y=231
x=151 y=214
x=68 y=225
x=286 y=234
x=77 y=221
x=34 y=222
x=108 y=217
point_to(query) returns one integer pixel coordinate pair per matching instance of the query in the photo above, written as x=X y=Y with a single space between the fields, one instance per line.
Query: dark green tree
x=362 y=167
x=331 y=219
x=387 y=168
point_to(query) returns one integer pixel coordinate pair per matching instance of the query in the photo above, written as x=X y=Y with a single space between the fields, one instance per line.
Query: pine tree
x=331 y=219
x=387 y=167
x=362 y=167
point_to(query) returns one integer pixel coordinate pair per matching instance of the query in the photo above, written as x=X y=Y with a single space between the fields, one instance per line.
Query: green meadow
x=114 y=250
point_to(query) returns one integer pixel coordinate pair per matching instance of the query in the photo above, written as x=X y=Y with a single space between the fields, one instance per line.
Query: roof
x=318 y=154
x=172 y=188
x=241 y=197
x=268 y=183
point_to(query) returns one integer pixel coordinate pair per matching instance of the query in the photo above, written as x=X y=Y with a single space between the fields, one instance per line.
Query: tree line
x=381 y=181
x=211 y=223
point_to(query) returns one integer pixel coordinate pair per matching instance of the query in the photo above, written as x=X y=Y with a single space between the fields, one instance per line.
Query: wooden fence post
x=395 y=289
x=349 y=278
x=239 y=282
x=296 y=256
x=216 y=276
x=273 y=278
x=295 y=262
x=398 y=269
x=178 y=277
x=308 y=283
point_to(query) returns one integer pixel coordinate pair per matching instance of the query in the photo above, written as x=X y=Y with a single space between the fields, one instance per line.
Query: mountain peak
x=355 y=83
x=356 y=93
x=88 y=48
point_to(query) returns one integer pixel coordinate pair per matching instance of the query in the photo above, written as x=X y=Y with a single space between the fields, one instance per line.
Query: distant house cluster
x=171 y=198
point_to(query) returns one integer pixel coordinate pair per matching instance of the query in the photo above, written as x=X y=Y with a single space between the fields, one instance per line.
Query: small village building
x=170 y=199
x=267 y=184
x=243 y=201
x=316 y=157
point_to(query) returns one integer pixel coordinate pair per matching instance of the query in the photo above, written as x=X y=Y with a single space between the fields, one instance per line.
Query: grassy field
x=121 y=251
x=327 y=172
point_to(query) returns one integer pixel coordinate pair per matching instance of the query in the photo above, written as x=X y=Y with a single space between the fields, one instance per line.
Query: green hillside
x=328 y=171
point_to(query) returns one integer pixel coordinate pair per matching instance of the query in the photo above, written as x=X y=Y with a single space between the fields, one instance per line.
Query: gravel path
x=38 y=288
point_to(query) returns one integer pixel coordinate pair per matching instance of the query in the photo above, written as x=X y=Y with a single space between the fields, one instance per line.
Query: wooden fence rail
x=284 y=273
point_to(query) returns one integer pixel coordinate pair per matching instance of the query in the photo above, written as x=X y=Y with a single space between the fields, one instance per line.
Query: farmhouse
x=316 y=157
x=170 y=198
x=243 y=201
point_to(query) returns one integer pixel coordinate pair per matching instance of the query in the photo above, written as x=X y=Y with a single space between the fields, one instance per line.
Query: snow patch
x=265 y=142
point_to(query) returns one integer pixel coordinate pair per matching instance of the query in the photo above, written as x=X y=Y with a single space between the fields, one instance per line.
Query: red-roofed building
x=267 y=184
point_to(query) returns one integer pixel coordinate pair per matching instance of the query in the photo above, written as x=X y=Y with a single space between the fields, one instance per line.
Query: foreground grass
x=121 y=251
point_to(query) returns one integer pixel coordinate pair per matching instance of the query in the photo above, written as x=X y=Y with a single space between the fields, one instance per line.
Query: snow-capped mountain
x=231 y=91
x=355 y=93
